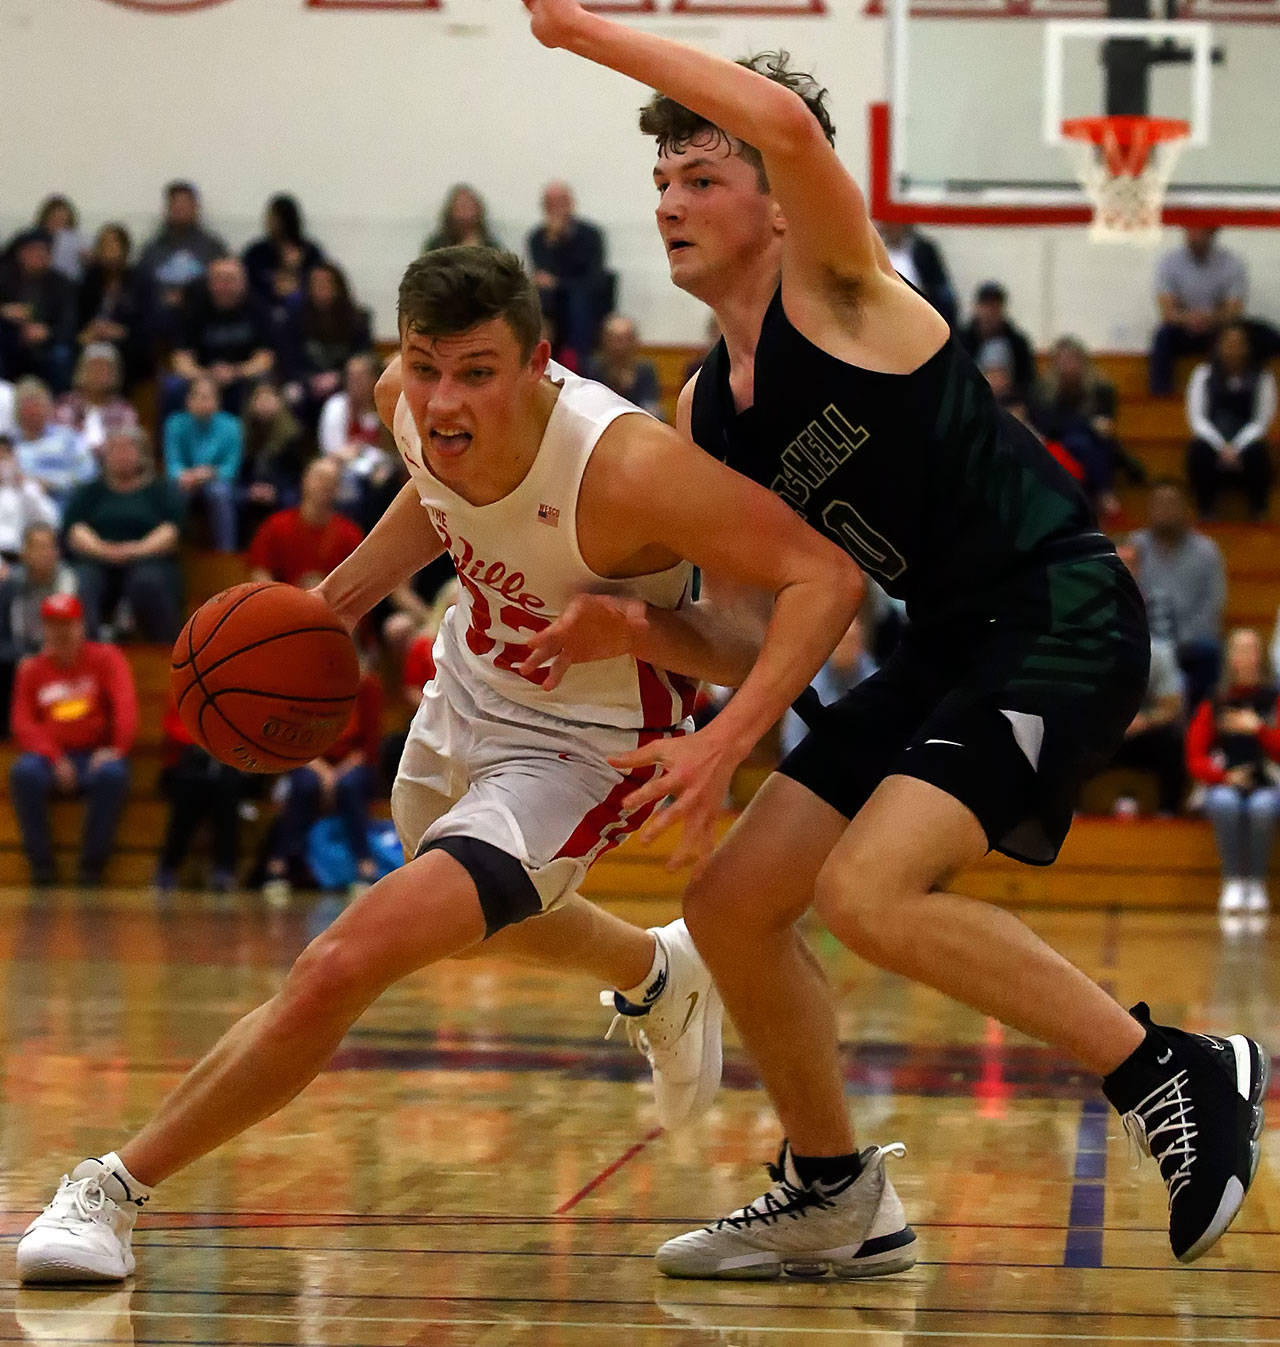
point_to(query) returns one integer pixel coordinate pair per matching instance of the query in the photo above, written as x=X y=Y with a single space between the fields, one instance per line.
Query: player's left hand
x=592 y=627
x=696 y=771
x=553 y=20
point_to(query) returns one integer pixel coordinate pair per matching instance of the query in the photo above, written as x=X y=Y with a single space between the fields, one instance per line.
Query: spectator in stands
x=463 y=222
x=1155 y=740
x=272 y=458
x=343 y=780
x=1231 y=401
x=8 y=424
x=177 y=255
x=227 y=337
x=328 y=331
x=59 y=219
x=618 y=365
x=1232 y=744
x=569 y=269
x=995 y=360
x=1075 y=406
x=197 y=787
x=113 y=303
x=352 y=434
x=37 y=312
x=1184 y=583
x=302 y=545
x=278 y=263
x=1199 y=287
x=94 y=406
x=202 y=453
x=23 y=502
x=123 y=530
x=75 y=716
x=40 y=573
x=991 y=324
x=919 y=260
x=51 y=454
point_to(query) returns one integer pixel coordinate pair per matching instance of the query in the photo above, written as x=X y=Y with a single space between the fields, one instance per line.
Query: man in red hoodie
x=75 y=717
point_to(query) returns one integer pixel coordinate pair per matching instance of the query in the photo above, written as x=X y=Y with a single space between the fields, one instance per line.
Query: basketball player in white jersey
x=541 y=485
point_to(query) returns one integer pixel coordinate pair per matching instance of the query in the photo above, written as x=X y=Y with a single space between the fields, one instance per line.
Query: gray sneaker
x=854 y=1229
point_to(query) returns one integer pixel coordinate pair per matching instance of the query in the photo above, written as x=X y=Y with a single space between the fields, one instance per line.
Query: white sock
x=645 y=993
x=131 y=1189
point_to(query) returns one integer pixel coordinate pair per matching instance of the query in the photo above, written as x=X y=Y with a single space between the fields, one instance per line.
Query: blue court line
x=1088 y=1194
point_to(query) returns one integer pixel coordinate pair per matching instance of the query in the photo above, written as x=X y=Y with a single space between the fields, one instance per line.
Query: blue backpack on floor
x=333 y=863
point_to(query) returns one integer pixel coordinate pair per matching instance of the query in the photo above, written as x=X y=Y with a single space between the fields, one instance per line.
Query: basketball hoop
x=1125 y=164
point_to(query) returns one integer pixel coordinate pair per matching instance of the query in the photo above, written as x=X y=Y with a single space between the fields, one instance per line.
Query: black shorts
x=1008 y=707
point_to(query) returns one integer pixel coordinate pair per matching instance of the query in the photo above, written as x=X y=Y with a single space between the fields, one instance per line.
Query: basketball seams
x=284 y=758
x=267 y=640
x=192 y=652
x=188 y=667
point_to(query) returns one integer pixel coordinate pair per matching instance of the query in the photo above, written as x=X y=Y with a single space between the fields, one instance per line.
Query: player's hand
x=696 y=771
x=552 y=21
x=102 y=755
x=592 y=627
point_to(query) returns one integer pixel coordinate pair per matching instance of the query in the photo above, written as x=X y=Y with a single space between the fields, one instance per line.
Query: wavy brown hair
x=675 y=127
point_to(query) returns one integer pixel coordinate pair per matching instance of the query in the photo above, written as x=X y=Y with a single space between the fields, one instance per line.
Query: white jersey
x=519 y=564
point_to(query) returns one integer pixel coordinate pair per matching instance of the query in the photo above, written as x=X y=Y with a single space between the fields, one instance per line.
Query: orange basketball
x=265 y=676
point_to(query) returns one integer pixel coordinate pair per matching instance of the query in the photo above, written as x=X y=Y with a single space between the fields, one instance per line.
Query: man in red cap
x=75 y=716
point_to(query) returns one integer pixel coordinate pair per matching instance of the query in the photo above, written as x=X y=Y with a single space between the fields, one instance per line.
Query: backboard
x=978 y=91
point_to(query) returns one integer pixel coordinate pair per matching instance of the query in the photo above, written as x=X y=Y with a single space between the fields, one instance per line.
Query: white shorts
x=536 y=787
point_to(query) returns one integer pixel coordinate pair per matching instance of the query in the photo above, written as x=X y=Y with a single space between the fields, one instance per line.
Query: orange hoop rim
x=1126 y=141
x=1125 y=130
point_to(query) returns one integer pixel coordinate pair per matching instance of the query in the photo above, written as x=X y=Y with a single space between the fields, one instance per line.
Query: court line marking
x=809 y=1330
x=608 y=1172
x=582 y=1302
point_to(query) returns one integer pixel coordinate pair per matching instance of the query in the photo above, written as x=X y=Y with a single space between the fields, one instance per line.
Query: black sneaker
x=1194 y=1103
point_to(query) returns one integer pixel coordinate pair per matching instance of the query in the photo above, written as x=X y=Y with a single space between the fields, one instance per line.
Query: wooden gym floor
x=480 y=1168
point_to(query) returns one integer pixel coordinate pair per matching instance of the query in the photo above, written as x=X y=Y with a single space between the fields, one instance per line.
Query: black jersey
x=930 y=486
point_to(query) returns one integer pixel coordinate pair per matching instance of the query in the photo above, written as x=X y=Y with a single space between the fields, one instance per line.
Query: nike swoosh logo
x=952 y=742
x=693 y=1005
x=1165 y=1056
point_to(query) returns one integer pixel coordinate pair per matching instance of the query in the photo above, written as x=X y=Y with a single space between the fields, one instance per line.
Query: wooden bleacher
x=1106 y=861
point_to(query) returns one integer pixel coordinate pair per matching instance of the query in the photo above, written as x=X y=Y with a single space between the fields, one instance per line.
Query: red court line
x=608 y=1172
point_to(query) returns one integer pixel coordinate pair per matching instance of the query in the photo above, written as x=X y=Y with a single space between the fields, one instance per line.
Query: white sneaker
x=854 y=1229
x=83 y=1235
x=1232 y=897
x=679 y=1032
x=1255 y=896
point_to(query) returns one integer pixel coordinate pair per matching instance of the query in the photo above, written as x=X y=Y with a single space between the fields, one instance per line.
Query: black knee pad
x=506 y=892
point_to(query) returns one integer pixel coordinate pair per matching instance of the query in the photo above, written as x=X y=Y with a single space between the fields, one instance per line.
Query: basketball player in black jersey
x=837 y=385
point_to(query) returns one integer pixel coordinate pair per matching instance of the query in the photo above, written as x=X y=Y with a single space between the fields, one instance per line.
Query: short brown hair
x=451 y=290
x=676 y=127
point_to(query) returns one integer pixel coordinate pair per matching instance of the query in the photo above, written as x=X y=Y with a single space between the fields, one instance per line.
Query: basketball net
x=1124 y=165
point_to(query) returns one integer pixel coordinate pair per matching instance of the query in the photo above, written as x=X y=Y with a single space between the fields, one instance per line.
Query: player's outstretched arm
x=827 y=220
x=729 y=526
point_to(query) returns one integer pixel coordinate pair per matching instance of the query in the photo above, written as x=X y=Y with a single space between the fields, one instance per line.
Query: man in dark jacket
x=990 y=323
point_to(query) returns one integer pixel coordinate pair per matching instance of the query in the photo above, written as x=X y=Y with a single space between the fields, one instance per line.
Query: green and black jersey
x=930 y=486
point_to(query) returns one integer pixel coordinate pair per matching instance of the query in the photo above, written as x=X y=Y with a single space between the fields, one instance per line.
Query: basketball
x=264 y=676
